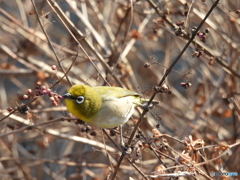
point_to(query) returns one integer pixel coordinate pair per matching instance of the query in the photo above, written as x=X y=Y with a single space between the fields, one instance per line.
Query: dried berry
x=186 y=85
x=25 y=96
x=23 y=109
x=146 y=65
x=54 y=103
x=9 y=109
x=54 y=67
x=93 y=133
x=29 y=91
x=51 y=99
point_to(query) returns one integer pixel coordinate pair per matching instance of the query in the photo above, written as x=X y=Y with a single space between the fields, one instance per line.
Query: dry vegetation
x=165 y=50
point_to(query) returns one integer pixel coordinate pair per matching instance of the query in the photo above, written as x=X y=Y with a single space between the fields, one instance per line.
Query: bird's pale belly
x=113 y=113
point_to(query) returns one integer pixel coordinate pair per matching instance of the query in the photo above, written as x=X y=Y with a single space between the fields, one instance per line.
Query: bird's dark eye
x=79 y=99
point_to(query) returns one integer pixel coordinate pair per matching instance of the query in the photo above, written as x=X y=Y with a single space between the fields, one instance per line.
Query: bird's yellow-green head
x=83 y=101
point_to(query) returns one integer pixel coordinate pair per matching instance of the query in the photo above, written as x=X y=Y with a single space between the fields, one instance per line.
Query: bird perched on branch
x=102 y=106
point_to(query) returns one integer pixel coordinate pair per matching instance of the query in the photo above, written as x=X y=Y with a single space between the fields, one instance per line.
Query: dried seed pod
x=146 y=65
x=186 y=85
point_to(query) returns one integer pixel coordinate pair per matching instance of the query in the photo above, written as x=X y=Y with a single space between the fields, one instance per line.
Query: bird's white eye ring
x=79 y=99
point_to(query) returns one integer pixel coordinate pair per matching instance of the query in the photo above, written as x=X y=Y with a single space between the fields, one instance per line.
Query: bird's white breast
x=114 y=112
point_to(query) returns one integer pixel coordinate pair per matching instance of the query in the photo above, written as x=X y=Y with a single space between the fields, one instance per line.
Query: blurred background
x=128 y=44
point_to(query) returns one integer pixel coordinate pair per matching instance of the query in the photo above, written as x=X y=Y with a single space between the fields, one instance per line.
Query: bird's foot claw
x=125 y=149
x=146 y=106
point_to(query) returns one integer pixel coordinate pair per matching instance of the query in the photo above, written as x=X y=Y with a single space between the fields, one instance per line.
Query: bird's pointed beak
x=67 y=96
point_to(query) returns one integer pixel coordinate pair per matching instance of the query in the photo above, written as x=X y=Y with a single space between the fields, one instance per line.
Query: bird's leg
x=124 y=147
x=121 y=137
x=144 y=105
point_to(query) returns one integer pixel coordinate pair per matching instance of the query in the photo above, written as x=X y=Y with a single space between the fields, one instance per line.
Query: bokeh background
x=122 y=43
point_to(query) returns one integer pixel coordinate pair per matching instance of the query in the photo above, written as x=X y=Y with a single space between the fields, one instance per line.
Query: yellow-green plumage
x=101 y=106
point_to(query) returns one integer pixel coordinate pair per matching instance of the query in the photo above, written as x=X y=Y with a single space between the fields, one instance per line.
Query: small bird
x=102 y=106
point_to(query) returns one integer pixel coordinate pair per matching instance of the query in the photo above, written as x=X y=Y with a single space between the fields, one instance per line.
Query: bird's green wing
x=111 y=93
x=114 y=92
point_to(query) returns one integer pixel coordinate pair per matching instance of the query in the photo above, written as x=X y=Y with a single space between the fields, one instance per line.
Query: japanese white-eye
x=102 y=106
